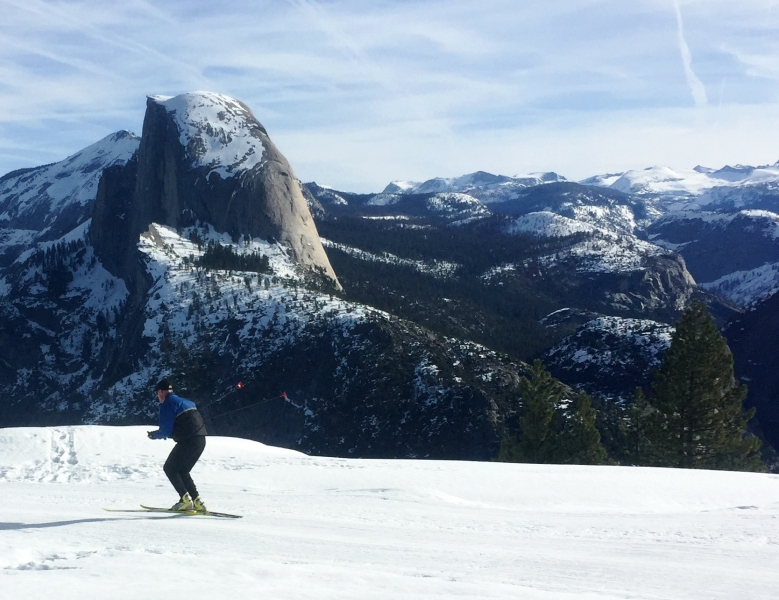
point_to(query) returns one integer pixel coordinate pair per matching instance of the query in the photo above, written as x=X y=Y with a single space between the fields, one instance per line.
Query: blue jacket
x=179 y=419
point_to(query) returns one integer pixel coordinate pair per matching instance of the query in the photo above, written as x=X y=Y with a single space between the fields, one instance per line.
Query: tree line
x=224 y=258
x=691 y=417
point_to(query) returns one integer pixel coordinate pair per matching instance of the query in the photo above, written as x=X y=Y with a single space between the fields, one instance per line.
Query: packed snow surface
x=548 y=224
x=318 y=527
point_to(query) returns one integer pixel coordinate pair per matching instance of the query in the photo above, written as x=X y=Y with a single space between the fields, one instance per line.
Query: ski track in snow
x=318 y=527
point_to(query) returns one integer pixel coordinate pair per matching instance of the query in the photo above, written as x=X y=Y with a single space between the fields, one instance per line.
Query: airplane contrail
x=696 y=86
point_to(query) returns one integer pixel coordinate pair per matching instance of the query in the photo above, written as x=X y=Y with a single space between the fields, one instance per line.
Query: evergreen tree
x=636 y=449
x=540 y=394
x=509 y=450
x=581 y=443
x=698 y=419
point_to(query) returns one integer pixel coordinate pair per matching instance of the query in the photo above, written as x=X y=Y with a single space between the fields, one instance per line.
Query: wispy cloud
x=356 y=93
x=697 y=88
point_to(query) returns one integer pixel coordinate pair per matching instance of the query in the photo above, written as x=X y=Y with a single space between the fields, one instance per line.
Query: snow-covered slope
x=436 y=268
x=748 y=287
x=610 y=356
x=184 y=301
x=549 y=224
x=32 y=199
x=217 y=131
x=339 y=528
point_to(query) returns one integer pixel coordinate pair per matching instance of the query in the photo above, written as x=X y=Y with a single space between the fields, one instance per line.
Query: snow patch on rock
x=218 y=132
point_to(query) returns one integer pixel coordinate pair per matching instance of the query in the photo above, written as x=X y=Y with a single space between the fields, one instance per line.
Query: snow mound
x=663 y=180
x=93 y=454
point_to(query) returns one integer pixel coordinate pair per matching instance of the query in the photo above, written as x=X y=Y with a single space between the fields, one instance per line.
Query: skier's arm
x=167 y=419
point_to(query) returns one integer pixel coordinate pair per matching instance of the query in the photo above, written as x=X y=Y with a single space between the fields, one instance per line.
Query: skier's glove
x=150 y=435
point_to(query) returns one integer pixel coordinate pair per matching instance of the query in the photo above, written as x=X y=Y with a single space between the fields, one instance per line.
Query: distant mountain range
x=398 y=323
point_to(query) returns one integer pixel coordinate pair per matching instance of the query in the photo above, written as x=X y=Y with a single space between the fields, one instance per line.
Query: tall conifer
x=698 y=419
x=540 y=395
x=637 y=448
x=581 y=443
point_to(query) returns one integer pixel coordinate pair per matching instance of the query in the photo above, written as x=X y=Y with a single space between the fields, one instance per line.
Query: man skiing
x=180 y=420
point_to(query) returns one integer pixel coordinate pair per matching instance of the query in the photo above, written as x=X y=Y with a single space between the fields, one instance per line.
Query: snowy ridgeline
x=687 y=182
x=52 y=189
x=317 y=527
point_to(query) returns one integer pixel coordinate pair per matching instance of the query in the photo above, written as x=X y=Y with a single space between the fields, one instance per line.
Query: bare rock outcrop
x=204 y=158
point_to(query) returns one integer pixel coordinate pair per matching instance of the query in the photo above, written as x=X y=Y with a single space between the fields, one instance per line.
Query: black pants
x=180 y=462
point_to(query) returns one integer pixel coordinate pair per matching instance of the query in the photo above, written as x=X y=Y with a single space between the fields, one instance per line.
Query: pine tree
x=698 y=419
x=540 y=393
x=581 y=443
x=637 y=449
x=509 y=450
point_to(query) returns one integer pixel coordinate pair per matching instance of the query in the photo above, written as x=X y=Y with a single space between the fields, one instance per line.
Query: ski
x=208 y=513
x=191 y=513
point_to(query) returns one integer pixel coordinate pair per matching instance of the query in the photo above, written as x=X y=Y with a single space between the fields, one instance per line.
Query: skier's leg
x=195 y=447
x=173 y=468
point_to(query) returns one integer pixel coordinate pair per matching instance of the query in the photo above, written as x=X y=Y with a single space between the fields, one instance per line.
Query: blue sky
x=357 y=94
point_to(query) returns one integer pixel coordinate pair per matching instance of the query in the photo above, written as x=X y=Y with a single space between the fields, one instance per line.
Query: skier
x=180 y=420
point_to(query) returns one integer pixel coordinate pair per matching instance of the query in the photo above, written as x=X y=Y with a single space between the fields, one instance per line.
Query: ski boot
x=184 y=505
x=198 y=505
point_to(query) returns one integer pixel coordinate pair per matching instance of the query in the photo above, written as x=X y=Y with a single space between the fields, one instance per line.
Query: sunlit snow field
x=338 y=528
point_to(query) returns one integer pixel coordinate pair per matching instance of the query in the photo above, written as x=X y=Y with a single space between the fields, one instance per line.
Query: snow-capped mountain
x=691 y=188
x=201 y=265
x=204 y=157
x=484 y=186
x=193 y=252
x=636 y=245
x=44 y=203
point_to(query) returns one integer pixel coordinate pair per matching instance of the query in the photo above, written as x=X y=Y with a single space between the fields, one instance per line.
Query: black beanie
x=164 y=385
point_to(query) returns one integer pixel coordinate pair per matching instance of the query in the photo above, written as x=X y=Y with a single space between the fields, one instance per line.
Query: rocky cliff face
x=203 y=157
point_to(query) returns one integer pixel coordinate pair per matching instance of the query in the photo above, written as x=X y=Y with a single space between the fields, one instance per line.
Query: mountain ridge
x=414 y=347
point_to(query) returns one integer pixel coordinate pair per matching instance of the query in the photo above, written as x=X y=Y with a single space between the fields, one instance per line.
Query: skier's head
x=164 y=387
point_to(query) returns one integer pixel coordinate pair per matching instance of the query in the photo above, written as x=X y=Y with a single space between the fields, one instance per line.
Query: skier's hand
x=150 y=435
